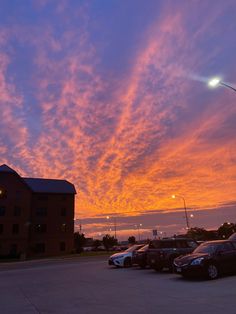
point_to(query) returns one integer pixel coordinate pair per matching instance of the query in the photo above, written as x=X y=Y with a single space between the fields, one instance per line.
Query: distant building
x=36 y=215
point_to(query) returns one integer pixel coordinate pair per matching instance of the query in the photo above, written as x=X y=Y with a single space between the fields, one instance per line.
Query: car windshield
x=133 y=248
x=144 y=248
x=206 y=248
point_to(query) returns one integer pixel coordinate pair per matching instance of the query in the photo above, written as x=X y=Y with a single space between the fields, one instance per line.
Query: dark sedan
x=140 y=256
x=210 y=260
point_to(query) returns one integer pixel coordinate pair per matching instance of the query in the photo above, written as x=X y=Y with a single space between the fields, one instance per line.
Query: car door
x=226 y=256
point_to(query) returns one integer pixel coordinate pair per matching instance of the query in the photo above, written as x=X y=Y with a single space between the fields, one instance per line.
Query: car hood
x=186 y=259
x=119 y=254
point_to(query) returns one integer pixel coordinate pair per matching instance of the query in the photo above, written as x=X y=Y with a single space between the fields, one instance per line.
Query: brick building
x=36 y=215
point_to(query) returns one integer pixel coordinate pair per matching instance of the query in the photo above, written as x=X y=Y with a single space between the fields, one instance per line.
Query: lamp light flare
x=173 y=196
x=215 y=81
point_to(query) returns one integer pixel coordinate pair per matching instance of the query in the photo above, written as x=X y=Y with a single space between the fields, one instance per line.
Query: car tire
x=171 y=264
x=212 y=271
x=127 y=262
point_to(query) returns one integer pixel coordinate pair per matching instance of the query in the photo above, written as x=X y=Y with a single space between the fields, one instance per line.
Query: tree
x=131 y=240
x=226 y=229
x=96 y=244
x=109 y=241
x=79 y=242
x=199 y=234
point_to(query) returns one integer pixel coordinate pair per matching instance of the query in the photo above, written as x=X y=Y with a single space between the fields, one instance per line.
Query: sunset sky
x=112 y=95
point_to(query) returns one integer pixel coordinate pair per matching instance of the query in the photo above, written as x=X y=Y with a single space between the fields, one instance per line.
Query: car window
x=234 y=244
x=192 y=244
x=168 y=244
x=206 y=248
x=225 y=247
x=154 y=245
x=181 y=244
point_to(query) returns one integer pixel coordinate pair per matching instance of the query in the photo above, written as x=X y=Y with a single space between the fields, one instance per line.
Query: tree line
x=199 y=234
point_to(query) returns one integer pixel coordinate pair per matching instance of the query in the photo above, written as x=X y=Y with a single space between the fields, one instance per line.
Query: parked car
x=232 y=237
x=124 y=259
x=140 y=256
x=210 y=259
x=161 y=253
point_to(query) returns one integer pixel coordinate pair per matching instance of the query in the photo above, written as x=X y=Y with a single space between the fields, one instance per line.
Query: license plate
x=178 y=269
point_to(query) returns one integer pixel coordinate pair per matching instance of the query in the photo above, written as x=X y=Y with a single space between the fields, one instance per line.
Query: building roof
x=50 y=186
x=44 y=185
x=5 y=168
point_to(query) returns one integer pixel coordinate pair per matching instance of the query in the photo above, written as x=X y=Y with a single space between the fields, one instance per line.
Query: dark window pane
x=18 y=195
x=2 y=210
x=17 y=211
x=62 y=246
x=41 y=211
x=15 y=228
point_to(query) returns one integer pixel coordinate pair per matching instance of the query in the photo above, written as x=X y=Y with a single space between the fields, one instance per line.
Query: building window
x=39 y=247
x=3 y=193
x=15 y=228
x=41 y=211
x=41 y=228
x=1 y=228
x=62 y=246
x=63 y=228
x=17 y=211
x=63 y=211
x=2 y=210
x=18 y=195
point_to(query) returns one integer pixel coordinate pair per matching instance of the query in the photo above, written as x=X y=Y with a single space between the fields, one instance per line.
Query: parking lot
x=89 y=285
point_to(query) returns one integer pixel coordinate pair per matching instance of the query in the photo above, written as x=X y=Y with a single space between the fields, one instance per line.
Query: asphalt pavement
x=89 y=286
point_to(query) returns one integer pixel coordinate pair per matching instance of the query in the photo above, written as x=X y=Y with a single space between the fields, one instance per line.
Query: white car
x=124 y=259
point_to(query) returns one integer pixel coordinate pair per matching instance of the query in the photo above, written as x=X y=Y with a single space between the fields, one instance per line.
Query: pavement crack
x=27 y=299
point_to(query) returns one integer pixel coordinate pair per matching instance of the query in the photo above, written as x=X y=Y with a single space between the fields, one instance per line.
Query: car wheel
x=127 y=262
x=212 y=271
x=171 y=264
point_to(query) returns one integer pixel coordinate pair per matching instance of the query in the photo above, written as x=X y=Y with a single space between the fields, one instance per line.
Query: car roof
x=174 y=239
x=217 y=242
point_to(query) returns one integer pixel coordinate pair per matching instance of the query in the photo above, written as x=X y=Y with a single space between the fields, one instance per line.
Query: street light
x=138 y=227
x=108 y=217
x=185 y=209
x=216 y=81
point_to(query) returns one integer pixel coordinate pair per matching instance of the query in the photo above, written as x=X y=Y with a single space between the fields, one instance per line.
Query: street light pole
x=185 y=210
x=138 y=227
x=108 y=217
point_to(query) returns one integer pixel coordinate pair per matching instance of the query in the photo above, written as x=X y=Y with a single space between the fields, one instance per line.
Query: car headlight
x=121 y=256
x=197 y=261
